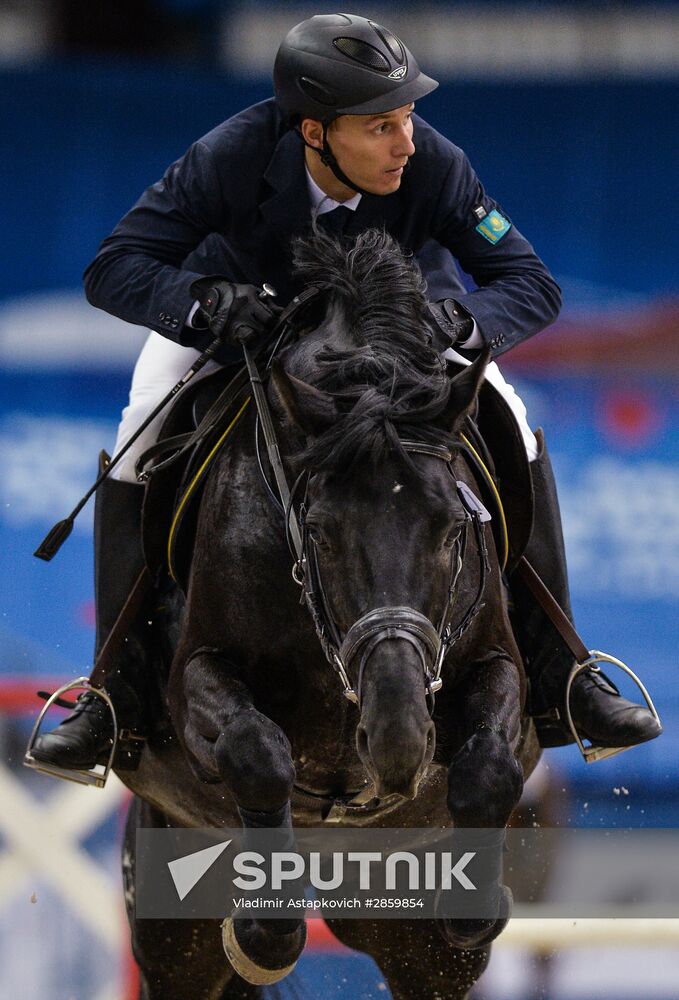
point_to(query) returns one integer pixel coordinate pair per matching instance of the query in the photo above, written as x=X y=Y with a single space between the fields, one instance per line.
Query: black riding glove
x=452 y=321
x=235 y=313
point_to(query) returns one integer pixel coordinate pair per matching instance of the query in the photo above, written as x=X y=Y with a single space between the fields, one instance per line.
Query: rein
x=431 y=642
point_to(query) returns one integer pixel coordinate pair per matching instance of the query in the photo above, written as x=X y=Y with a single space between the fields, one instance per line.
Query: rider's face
x=371 y=149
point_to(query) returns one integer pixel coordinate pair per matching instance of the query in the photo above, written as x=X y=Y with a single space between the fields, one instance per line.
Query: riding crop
x=57 y=535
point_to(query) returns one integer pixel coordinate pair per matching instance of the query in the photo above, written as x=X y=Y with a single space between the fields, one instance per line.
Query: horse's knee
x=485 y=781
x=254 y=759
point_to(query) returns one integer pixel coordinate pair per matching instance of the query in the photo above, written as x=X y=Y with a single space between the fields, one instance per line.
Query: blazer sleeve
x=516 y=296
x=136 y=273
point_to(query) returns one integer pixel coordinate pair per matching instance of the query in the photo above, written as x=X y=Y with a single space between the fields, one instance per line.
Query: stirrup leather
x=96 y=776
x=592 y=753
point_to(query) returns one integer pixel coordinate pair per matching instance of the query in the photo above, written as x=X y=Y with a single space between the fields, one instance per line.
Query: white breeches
x=162 y=363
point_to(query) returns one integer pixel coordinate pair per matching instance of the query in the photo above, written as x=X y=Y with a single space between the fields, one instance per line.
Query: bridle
x=431 y=642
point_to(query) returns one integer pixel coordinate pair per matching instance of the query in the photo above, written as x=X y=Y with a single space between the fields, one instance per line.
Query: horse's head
x=376 y=415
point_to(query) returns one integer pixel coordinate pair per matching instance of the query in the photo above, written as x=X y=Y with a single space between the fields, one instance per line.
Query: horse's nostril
x=431 y=737
x=362 y=741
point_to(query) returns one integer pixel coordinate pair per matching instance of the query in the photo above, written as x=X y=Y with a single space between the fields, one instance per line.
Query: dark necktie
x=336 y=221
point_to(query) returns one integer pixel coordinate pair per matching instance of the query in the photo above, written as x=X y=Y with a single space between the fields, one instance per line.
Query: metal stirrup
x=94 y=776
x=593 y=752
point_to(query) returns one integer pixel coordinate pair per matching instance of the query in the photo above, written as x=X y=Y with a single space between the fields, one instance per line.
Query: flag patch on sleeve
x=494 y=226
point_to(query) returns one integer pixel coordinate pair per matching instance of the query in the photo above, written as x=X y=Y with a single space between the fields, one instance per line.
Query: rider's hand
x=452 y=320
x=234 y=313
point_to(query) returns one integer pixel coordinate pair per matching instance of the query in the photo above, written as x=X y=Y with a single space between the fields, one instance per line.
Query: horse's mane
x=390 y=382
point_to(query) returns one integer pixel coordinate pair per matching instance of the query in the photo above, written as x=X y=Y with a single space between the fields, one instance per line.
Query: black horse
x=257 y=730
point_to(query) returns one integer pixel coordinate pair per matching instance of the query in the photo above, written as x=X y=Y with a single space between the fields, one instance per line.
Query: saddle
x=206 y=413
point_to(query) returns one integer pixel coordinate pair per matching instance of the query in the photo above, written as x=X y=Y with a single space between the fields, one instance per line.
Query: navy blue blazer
x=246 y=181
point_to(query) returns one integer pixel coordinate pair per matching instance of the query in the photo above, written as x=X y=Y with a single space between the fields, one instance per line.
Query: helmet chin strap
x=329 y=159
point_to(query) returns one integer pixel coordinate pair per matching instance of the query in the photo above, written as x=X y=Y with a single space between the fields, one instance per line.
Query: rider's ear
x=464 y=389
x=313 y=410
x=312 y=132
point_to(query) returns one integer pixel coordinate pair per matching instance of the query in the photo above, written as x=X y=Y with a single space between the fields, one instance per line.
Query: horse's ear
x=313 y=410
x=464 y=389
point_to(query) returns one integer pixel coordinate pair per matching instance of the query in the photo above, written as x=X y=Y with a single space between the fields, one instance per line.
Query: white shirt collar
x=322 y=202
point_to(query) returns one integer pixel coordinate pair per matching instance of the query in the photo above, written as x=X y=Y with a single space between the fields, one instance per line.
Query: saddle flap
x=502 y=437
x=165 y=500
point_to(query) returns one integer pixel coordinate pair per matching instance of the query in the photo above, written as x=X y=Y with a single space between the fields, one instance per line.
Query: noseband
x=392 y=623
x=404 y=623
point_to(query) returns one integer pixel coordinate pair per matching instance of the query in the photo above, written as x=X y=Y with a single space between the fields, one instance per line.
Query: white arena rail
x=548 y=934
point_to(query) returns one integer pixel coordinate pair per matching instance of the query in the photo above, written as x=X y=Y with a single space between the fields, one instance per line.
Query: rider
x=338 y=135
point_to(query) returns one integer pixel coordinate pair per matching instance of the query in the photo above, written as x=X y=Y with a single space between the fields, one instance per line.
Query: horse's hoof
x=470 y=934
x=243 y=935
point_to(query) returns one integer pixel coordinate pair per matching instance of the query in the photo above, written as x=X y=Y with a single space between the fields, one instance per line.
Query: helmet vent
x=391 y=41
x=363 y=53
x=317 y=92
x=336 y=20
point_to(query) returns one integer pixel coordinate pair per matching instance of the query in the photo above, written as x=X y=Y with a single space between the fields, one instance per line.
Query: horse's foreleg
x=413 y=959
x=177 y=958
x=228 y=740
x=233 y=742
x=485 y=781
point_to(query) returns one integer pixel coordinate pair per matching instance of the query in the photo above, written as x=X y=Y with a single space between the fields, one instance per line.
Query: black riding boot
x=599 y=712
x=84 y=738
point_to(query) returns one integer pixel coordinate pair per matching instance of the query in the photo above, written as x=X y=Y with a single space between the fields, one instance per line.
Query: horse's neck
x=332 y=334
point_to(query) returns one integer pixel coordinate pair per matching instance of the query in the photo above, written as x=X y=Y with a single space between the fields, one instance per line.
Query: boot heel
x=128 y=751
x=551 y=732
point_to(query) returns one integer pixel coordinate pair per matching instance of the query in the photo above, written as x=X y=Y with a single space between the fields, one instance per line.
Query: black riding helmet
x=344 y=64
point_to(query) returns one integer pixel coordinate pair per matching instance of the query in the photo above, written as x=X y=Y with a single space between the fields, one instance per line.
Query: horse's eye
x=452 y=538
x=317 y=536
